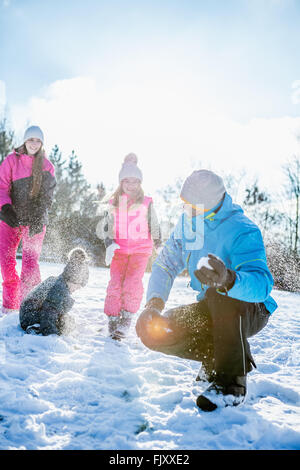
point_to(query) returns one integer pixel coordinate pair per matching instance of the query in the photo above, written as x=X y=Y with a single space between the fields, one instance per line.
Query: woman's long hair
x=119 y=192
x=37 y=169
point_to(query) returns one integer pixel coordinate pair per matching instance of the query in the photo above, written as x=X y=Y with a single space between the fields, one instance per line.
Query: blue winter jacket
x=228 y=234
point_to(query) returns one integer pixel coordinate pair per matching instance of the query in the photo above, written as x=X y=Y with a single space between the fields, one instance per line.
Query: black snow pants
x=214 y=332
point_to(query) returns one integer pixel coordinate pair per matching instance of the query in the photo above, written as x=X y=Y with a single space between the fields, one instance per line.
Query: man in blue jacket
x=224 y=254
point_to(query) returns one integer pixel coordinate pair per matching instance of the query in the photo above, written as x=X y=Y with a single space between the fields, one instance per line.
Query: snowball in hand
x=204 y=262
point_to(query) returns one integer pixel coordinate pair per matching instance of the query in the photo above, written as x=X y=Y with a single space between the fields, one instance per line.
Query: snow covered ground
x=86 y=391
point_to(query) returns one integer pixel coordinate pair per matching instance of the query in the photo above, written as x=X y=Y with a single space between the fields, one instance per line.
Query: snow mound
x=86 y=391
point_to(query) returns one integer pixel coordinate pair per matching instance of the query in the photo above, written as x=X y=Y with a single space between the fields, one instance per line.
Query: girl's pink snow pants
x=125 y=288
x=15 y=288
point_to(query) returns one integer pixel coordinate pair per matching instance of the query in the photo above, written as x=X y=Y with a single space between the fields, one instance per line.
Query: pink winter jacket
x=15 y=186
x=131 y=229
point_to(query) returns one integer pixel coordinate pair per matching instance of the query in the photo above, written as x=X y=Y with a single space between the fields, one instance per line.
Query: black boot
x=219 y=394
x=119 y=326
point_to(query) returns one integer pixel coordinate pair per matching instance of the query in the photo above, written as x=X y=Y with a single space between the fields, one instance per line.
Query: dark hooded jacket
x=46 y=306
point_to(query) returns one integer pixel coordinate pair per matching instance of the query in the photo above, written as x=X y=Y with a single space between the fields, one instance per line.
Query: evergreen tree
x=57 y=208
x=258 y=205
x=73 y=212
x=255 y=196
x=6 y=139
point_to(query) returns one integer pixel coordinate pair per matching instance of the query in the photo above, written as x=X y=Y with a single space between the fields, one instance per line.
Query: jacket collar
x=220 y=212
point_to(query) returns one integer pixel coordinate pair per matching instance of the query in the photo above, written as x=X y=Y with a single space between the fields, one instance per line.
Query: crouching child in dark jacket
x=45 y=308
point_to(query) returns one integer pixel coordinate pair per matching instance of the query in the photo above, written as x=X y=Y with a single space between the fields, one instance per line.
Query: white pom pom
x=78 y=255
x=131 y=158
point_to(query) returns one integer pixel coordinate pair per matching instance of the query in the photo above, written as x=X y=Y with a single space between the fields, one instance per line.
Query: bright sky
x=182 y=83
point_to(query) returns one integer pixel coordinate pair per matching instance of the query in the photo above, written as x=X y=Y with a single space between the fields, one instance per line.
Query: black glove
x=219 y=276
x=9 y=215
x=35 y=227
x=156 y=303
x=149 y=315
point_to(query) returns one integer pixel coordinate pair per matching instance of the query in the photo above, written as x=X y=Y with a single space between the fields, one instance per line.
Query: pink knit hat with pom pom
x=130 y=169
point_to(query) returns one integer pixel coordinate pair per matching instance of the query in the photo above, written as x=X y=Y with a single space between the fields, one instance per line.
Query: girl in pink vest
x=26 y=190
x=135 y=226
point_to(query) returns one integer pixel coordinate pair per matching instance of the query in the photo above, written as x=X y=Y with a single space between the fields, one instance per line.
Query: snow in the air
x=203 y=262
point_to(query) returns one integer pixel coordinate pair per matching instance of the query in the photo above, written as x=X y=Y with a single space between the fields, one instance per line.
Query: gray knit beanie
x=130 y=169
x=76 y=270
x=203 y=188
x=34 y=132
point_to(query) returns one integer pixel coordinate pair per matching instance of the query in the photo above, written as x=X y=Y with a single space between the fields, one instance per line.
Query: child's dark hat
x=76 y=270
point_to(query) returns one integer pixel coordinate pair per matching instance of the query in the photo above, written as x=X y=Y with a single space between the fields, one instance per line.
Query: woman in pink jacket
x=27 y=184
x=134 y=225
